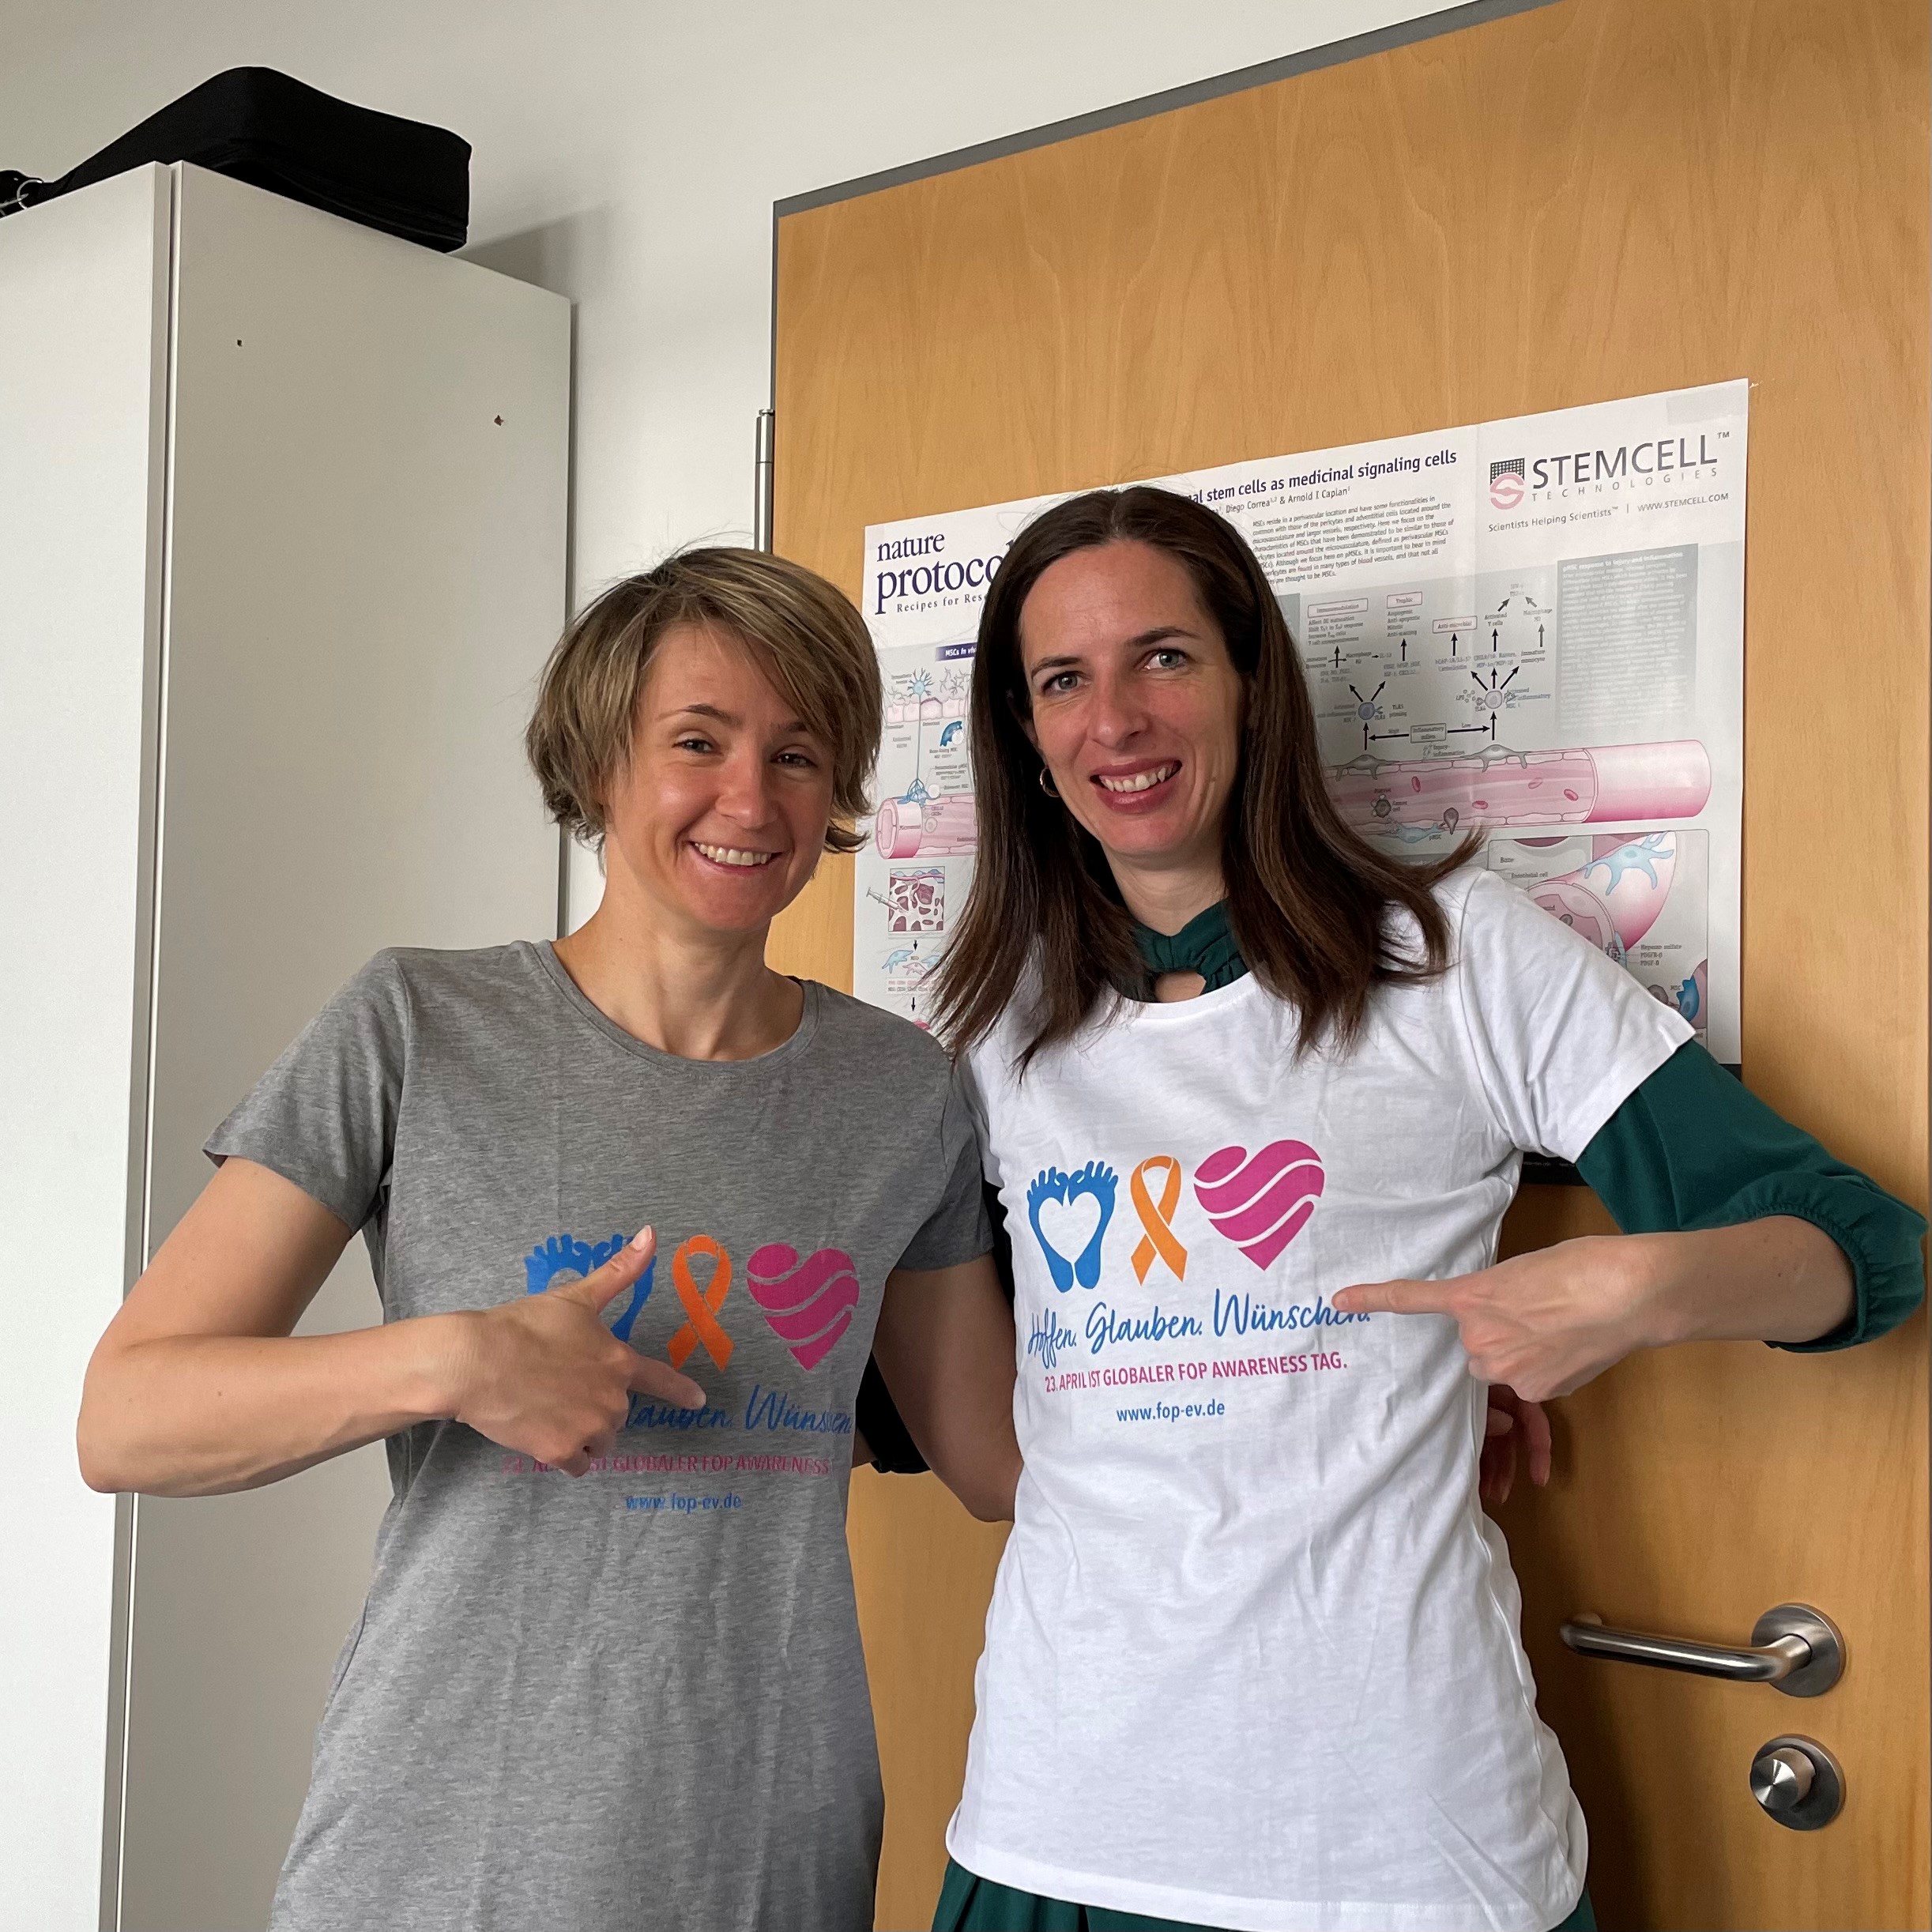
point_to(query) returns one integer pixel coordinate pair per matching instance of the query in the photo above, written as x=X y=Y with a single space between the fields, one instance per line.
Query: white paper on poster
x=1533 y=626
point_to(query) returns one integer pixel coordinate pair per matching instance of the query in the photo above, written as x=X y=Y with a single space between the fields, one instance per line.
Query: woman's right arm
x=198 y=1387
x=944 y=1344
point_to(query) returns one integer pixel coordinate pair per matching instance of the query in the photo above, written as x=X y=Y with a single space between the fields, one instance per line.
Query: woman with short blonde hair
x=608 y=1673
x=803 y=633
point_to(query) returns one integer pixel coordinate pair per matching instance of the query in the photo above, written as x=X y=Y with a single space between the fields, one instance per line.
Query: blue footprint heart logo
x=564 y=1255
x=1051 y=1185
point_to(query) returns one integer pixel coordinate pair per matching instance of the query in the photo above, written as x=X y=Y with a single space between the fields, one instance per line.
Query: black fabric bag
x=260 y=126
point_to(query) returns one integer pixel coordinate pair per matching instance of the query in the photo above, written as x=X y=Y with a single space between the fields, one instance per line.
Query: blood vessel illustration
x=931 y=827
x=1614 y=900
x=1497 y=786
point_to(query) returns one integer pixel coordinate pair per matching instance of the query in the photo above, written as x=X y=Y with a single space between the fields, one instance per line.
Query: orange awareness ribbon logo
x=701 y=1304
x=1157 y=1218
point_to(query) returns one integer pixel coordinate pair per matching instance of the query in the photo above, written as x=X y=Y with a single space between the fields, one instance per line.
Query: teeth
x=730 y=855
x=1141 y=781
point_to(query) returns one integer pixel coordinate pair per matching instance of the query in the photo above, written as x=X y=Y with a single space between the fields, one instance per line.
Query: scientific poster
x=1533 y=627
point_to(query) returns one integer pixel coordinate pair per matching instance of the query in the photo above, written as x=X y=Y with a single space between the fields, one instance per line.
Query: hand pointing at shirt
x=544 y=1375
x=1546 y=1323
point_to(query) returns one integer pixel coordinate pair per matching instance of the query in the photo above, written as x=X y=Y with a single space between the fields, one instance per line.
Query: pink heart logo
x=807 y=1304
x=1260 y=1203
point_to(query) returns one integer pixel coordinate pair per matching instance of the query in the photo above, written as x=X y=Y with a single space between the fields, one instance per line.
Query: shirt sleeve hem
x=981 y=1243
x=1616 y=1087
x=314 y=1184
x=1879 y=1303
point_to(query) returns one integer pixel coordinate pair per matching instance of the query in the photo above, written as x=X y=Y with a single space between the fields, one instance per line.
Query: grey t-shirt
x=636 y=1699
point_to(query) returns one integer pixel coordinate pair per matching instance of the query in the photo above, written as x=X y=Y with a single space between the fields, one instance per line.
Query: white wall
x=628 y=153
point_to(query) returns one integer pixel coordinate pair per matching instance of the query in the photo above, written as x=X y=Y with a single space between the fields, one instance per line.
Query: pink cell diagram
x=1615 y=899
x=1417 y=798
x=916 y=899
x=935 y=820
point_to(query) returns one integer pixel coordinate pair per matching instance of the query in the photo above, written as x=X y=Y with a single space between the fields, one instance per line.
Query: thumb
x=602 y=1286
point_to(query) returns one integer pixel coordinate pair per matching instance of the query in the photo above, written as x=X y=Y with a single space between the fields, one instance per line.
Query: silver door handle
x=1794 y=1649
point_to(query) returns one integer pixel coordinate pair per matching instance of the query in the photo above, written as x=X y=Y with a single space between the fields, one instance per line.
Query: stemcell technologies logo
x=1660 y=463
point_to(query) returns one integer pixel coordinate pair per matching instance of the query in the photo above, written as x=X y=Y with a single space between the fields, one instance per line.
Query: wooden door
x=1594 y=199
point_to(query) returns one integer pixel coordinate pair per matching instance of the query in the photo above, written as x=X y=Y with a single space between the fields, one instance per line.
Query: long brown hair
x=1308 y=897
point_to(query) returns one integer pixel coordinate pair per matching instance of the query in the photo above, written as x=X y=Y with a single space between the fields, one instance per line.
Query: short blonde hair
x=803 y=633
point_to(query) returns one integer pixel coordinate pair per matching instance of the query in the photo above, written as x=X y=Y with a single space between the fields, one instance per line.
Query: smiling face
x=718 y=817
x=1136 y=706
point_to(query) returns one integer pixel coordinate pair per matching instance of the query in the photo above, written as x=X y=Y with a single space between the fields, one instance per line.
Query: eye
x=802 y=761
x=1168 y=657
x=695 y=741
x=1057 y=683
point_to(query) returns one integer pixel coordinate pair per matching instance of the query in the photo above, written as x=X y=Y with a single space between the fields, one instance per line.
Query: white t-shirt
x=1252 y=1658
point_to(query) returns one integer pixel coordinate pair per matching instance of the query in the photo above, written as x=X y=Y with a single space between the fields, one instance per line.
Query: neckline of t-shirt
x=1222 y=1000
x=588 y=1009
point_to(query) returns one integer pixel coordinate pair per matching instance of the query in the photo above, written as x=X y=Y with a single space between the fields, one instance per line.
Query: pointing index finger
x=1399 y=1298
x=650 y=1377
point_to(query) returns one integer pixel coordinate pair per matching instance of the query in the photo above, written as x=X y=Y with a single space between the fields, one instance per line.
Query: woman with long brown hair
x=1255 y=1097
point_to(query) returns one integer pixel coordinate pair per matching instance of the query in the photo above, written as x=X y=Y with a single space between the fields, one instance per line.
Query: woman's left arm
x=1742 y=1227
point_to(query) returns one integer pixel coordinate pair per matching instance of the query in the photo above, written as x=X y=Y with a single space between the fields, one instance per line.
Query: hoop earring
x=1046 y=784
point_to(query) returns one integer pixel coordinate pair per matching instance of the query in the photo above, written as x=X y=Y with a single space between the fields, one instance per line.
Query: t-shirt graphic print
x=634 y=1699
x=808 y=1301
x=1257 y=1203
x=1252 y=1658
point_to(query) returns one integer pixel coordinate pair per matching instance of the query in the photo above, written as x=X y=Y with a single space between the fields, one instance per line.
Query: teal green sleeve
x=1694 y=1147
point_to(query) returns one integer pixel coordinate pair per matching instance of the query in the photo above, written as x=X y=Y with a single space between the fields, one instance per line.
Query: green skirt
x=970 y=1904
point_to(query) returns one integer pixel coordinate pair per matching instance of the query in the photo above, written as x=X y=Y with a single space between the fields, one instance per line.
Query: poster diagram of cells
x=919 y=824
x=924 y=783
x=1642 y=898
x=916 y=863
x=916 y=899
x=1426 y=800
x=1531 y=628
